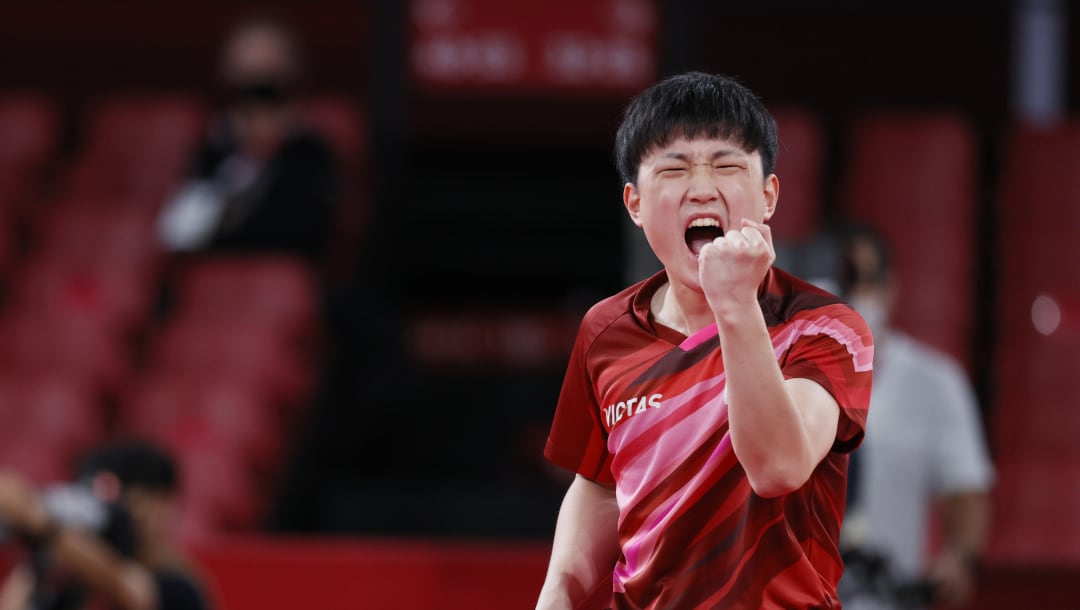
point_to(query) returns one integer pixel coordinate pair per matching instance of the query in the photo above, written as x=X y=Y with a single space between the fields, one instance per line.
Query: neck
x=681 y=309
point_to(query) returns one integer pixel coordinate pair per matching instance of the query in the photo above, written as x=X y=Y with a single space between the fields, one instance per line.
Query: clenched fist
x=732 y=266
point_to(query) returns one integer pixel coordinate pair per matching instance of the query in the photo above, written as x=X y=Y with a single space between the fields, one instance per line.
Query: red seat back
x=1036 y=386
x=136 y=146
x=913 y=178
x=800 y=167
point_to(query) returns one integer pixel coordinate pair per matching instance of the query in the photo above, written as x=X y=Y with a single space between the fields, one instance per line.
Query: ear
x=632 y=201
x=772 y=193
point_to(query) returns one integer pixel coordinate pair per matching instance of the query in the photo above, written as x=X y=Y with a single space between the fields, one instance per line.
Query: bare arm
x=100 y=569
x=585 y=548
x=17 y=588
x=966 y=521
x=780 y=429
x=85 y=556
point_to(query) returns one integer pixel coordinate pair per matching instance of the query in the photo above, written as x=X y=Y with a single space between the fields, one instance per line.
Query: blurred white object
x=1040 y=52
x=1045 y=314
x=191 y=216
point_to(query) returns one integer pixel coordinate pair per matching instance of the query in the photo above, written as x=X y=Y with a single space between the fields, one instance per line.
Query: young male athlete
x=708 y=410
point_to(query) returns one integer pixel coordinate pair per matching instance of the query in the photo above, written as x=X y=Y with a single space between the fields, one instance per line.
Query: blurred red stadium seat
x=228 y=442
x=77 y=231
x=135 y=146
x=177 y=410
x=237 y=349
x=1039 y=220
x=280 y=293
x=914 y=178
x=1037 y=393
x=1035 y=507
x=1036 y=388
x=800 y=166
x=73 y=346
x=9 y=239
x=117 y=298
x=216 y=494
x=30 y=125
x=39 y=462
x=48 y=416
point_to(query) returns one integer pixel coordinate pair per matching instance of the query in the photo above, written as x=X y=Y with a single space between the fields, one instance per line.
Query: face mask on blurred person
x=874 y=312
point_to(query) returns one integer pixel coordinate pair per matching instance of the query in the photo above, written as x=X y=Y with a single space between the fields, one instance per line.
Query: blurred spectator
x=105 y=538
x=262 y=180
x=924 y=448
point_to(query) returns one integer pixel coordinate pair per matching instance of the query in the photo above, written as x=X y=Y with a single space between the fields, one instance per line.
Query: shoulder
x=790 y=301
x=923 y=359
x=787 y=297
x=616 y=311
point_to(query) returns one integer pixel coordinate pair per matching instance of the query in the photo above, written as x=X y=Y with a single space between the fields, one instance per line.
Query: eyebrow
x=718 y=154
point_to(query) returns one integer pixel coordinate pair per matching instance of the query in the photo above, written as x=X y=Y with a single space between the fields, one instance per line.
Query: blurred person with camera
x=101 y=542
x=262 y=180
x=924 y=448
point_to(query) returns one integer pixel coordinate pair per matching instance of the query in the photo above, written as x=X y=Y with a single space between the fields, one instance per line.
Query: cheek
x=660 y=217
x=744 y=201
x=664 y=199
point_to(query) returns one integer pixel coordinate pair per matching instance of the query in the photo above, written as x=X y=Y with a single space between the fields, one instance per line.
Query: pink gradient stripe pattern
x=641 y=545
x=862 y=355
x=638 y=474
x=699 y=337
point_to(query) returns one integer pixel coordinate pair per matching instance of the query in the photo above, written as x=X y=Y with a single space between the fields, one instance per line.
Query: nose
x=702 y=187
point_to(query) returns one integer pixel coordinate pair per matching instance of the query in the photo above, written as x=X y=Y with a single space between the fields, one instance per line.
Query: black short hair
x=850 y=235
x=692 y=105
x=135 y=463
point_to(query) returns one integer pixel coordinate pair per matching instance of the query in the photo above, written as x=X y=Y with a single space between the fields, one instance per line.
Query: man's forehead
x=708 y=147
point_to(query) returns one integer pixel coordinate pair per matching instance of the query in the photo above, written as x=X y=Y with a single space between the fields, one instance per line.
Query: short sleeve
x=962 y=462
x=835 y=349
x=577 y=440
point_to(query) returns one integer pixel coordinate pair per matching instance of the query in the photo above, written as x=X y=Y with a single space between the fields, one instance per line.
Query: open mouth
x=702 y=231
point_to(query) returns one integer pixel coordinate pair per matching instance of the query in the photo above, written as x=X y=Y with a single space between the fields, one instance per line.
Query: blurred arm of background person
x=585 y=546
x=966 y=517
x=89 y=559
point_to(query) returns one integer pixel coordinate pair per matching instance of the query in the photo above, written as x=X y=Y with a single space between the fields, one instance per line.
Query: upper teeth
x=705 y=222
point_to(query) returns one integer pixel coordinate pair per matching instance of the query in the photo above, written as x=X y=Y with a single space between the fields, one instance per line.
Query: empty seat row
x=215 y=358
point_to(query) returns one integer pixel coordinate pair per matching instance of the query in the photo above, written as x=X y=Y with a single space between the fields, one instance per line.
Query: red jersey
x=643 y=408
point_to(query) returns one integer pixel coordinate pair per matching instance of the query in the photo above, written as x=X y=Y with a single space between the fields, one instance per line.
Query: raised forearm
x=779 y=430
x=766 y=425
